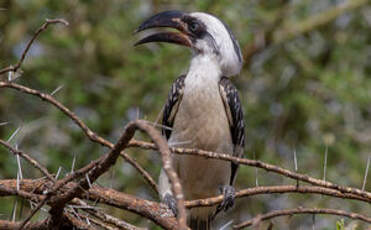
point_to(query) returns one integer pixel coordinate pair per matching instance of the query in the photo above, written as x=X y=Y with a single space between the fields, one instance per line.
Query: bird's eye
x=193 y=26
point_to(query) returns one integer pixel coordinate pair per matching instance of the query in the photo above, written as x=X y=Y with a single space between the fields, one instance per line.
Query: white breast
x=201 y=122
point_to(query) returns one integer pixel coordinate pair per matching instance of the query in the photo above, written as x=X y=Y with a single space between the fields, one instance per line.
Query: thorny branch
x=259 y=164
x=294 y=211
x=29 y=44
x=59 y=193
x=156 y=212
x=87 y=131
x=207 y=154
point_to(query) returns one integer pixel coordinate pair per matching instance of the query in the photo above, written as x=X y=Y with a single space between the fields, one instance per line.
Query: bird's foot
x=170 y=201
x=229 y=195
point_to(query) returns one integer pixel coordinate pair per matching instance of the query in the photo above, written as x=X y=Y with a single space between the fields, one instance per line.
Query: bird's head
x=203 y=33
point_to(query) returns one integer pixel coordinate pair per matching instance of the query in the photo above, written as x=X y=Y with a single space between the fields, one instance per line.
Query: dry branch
x=29 y=44
x=11 y=225
x=59 y=193
x=294 y=211
x=276 y=189
x=86 y=130
x=259 y=164
x=159 y=213
x=29 y=159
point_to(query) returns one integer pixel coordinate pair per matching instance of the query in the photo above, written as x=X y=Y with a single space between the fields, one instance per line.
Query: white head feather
x=228 y=50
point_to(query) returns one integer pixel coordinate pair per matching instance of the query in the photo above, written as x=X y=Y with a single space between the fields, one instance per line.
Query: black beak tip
x=137 y=43
x=137 y=30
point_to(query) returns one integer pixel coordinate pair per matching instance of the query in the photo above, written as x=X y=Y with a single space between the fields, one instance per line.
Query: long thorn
x=58 y=172
x=256 y=173
x=4 y=123
x=14 y=134
x=173 y=144
x=314 y=222
x=295 y=161
x=14 y=211
x=365 y=178
x=17 y=182
x=325 y=164
x=57 y=90
x=19 y=167
x=296 y=166
x=10 y=75
x=159 y=125
x=73 y=162
x=88 y=180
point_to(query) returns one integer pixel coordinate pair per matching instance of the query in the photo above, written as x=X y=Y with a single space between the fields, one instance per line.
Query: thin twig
x=56 y=90
x=276 y=189
x=294 y=211
x=366 y=172
x=14 y=134
x=259 y=164
x=29 y=159
x=325 y=164
x=4 y=123
x=160 y=214
x=176 y=187
x=86 y=130
x=29 y=44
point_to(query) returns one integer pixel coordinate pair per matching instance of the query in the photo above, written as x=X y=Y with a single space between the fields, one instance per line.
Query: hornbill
x=203 y=110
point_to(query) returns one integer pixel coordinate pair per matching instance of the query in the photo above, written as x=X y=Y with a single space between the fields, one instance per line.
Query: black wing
x=172 y=105
x=235 y=116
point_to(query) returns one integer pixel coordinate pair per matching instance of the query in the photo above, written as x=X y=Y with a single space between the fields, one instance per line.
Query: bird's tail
x=199 y=219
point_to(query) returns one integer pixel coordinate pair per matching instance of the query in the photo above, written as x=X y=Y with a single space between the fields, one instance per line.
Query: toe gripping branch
x=170 y=201
x=229 y=196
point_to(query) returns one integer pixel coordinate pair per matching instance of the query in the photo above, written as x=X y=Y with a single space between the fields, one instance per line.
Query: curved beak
x=169 y=19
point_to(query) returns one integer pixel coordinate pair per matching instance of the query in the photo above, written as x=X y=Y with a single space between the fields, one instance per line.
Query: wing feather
x=172 y=104
x=235 y=117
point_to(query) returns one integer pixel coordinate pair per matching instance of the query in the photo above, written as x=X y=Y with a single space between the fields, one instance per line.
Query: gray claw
x=170 y=201
x=229 y=196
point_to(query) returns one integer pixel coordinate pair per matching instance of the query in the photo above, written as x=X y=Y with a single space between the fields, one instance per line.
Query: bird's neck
x=204 y=69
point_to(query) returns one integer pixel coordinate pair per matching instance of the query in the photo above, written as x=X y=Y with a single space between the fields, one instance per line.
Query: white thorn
x=19 y=167
x=77 y=215
x=31 y=205
x=325 y=164
x=58 y=172
x=159 y=116
x=137 y=113
x=365 y=178
x=295 y=161
x=14 y=133
x=314 y=222
x=159 y=125
x=73 y=162
x=256 y=173
x=173 y=144
x=17 y=182
x=57 y=90
x=14 y=210
x=10 y=76
x=4 y=123
x=226 y=226
x=88 y=180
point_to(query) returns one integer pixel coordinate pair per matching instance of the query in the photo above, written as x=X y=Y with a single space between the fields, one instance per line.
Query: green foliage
x=340 y=225
x=309 y=92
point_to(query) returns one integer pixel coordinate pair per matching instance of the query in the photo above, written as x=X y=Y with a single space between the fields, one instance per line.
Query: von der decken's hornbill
x=203 y=109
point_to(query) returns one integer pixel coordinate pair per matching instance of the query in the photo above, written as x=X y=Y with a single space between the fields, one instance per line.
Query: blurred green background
x=305 y=87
